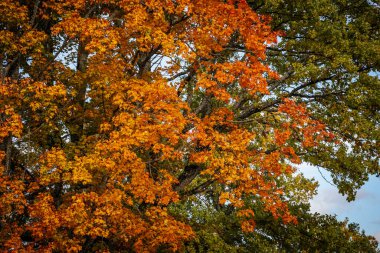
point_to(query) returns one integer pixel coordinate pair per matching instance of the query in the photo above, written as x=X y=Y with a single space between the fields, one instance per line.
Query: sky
x=365 y=210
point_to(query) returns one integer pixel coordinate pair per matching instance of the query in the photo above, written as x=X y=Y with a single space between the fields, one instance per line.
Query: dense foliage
x=160 y=125
x=218 y=231
x=329 y=59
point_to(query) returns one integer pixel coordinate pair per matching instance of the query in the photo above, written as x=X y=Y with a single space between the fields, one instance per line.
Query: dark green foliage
x=329 y=59
x=218 y=230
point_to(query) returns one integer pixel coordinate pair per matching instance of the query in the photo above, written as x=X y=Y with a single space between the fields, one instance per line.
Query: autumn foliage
x=112 y=112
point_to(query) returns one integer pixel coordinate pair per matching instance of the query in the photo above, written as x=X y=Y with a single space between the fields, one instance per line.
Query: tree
x=115 y=113
x=218 y=230
x=329 y=59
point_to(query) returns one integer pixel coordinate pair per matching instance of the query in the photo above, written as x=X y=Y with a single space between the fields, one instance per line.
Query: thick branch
x=187 y=176
x=250 y=111
x=200 y=188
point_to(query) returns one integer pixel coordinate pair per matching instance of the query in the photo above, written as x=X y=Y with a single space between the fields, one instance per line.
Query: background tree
x=218 y=229
x=117 y=114
x=329 y=59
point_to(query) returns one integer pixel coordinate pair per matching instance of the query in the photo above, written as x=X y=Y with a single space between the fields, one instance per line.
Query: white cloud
x=364 y=210
x=377 y=236
x=328 y=201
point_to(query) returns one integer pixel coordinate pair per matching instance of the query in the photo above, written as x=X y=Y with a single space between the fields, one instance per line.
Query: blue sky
x=365 y=210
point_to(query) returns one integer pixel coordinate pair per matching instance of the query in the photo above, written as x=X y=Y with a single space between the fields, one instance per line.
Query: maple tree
x=115 y=113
